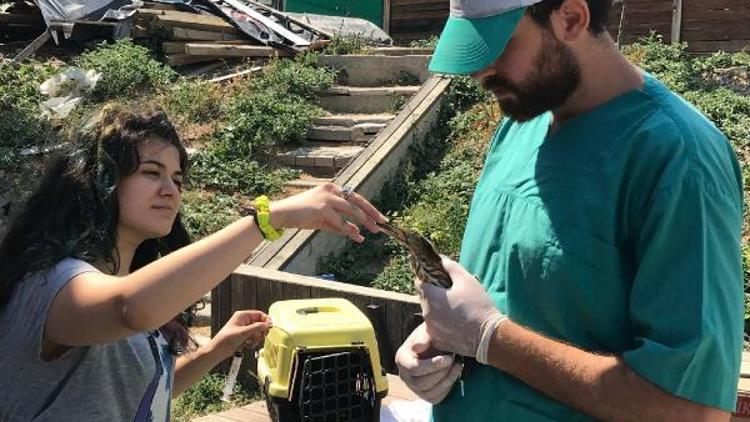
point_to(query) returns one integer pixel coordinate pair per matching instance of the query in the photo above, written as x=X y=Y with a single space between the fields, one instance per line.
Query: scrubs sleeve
x=686 y=301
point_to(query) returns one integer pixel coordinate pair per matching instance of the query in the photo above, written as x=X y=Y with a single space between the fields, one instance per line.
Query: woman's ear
x=571 y=20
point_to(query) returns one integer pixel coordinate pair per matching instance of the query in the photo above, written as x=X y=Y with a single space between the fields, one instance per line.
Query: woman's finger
x=250 y=315
x=355 y=213
x=365 y=205
x=333 y=222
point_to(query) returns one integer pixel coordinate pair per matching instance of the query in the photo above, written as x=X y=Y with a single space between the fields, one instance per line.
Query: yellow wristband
x=263 y=218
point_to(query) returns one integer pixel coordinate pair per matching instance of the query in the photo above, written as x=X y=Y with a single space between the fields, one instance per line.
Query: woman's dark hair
x=598 y=9
x=74 y=210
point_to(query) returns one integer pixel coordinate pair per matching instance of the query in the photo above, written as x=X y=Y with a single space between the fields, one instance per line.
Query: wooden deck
x=257 y=412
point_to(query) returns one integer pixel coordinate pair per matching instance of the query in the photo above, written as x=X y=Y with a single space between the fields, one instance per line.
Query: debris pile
x=190 y=31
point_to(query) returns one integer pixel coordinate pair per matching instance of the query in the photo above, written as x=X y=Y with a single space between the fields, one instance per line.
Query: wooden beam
x=676 y=21
x=183 y=59
x=34 y=46
x=236 y=75
x=387 y=16
x=219 y=50
x=193 y=21
x=193 y=34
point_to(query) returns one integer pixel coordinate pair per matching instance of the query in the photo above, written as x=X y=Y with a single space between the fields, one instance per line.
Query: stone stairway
x=371 y=91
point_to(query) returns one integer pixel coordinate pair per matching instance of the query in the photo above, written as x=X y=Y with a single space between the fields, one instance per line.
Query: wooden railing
x=393 y=315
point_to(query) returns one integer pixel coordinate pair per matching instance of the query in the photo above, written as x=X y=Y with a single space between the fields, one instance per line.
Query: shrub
x=213 y=171
x=194 y=101
x=204 y=397
x=465 y=92
x=396 y=276
x=126 y=69
x=425 y=43
x=347 y=44
x=204 y=213
x=299 y=77
x=20 y=122
x=667 y=62
x=267 y=118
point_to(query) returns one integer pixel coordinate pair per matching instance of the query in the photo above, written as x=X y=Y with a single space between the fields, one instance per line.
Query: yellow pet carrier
x=320 y=363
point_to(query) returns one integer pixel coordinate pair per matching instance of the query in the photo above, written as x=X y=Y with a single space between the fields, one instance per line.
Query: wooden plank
x=717 y=15
x=239 y=414
x=394 y=332
x=23 y=19
x=237 y=74
x=219 y=418
x=33 y=46
x=676 y=21
x=183 y=59
x=275 y=291
x=376 y=314
x=172 y=47
x=396 y=3
x=402 y=10
x=192 y=21
x=387 y=16
x=192 y=34
x=411 y=16
x=729 y=46
x=261 y=275
x=715 y=33
x=158 y=6
x=238 y=286
x=717 y=4
x=295 y=291
x=219 y=50
x=263 y=293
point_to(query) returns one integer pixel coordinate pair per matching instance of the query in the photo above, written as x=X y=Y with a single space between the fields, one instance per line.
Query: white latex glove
x=461 y=319
x=429 y=374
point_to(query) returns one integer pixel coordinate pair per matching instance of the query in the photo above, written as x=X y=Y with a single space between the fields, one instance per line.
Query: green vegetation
x=20 y=122
x=431 y=194
x=194 y=101
x=127 y=69
x=205 y=397
x=211 y=171
x=348 y=44
x=237 y=127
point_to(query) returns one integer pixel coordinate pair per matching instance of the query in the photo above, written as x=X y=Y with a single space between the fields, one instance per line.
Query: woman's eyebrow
x=161 y=165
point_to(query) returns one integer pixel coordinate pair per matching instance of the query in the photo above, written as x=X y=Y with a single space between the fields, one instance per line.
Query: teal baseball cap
x=476 y=34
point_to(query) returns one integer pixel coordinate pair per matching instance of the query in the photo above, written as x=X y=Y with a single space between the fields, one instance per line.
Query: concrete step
x=379 y=70
x=335 y=133
x=349 y=99
x=352 y=119
x=325 y=156
x=354 y=133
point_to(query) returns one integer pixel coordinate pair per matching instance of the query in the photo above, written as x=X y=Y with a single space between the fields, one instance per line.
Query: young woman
x=97 y=265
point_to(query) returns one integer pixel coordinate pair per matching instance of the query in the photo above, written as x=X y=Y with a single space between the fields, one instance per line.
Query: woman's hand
x=244 y=329
x=324 y=207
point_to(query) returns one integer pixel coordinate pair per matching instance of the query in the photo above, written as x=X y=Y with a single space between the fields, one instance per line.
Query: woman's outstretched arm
x=95 y=308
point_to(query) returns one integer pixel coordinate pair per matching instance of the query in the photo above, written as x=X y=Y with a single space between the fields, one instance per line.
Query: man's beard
x=555 y=76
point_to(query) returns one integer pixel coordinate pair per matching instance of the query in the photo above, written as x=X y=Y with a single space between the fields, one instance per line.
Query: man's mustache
x=498 y=83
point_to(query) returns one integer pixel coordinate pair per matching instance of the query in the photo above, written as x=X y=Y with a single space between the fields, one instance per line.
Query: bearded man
x=600 y=273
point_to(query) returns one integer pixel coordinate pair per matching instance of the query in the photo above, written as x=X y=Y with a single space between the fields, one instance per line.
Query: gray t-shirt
x=127 y=380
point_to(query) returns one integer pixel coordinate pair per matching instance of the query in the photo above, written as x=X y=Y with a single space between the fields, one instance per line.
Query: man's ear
x=571 y=20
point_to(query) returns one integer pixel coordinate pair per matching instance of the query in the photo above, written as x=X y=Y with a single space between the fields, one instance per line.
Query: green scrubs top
x=618 y=233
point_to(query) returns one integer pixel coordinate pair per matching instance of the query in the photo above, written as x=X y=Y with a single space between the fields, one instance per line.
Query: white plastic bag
x=66 y=90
